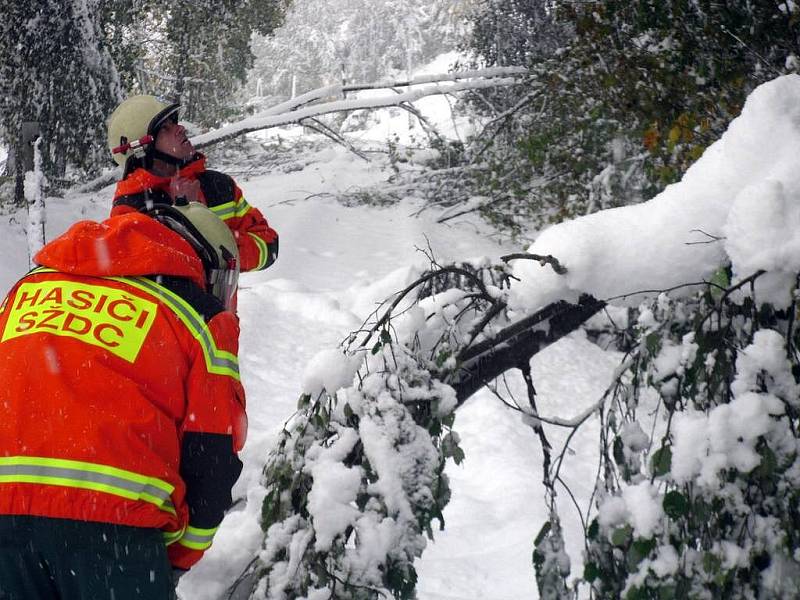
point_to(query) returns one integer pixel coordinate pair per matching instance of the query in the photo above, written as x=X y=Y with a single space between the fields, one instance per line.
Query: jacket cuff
x=182 y=557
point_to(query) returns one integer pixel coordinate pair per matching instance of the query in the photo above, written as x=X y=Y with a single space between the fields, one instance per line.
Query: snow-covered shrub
x=701 y=495
x=357 y=480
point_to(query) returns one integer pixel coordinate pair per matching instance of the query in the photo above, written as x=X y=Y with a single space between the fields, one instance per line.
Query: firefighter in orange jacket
x=161 y=164
x=122 y=407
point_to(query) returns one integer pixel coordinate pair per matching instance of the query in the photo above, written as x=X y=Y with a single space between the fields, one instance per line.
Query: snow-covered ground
x=337 y=262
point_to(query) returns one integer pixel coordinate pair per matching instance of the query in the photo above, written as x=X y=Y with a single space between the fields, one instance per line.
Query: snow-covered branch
x=339 y=90
x=290 y=112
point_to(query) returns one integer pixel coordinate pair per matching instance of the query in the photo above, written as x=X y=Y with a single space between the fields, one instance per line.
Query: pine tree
x=198 y=52
x=55 y=69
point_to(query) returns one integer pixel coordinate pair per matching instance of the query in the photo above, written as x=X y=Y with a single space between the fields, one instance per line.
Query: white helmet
x=133 y=121
x=210 y=238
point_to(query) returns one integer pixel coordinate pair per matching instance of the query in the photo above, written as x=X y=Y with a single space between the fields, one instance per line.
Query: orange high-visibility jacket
x=121 y=400
x=257 y=241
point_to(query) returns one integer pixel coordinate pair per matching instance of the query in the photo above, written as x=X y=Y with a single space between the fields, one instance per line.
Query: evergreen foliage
x=55 y=68
x=67 y=65
x=206 y=52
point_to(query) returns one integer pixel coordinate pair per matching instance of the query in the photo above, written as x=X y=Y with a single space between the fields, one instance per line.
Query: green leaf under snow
x=590 y=572
x=594 y=529
x=640 y=549
x=675 y=504
x=711 y=563
x=661 y=461
x=653 y=343
x=622 y=535
x=542 y=533
x=303 y=401
x=619 y=451
x=719 y=280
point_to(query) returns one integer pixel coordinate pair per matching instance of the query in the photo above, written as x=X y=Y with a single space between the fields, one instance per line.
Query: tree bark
x=482 y=362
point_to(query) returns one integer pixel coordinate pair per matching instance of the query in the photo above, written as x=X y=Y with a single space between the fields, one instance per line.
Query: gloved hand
x=177 y=574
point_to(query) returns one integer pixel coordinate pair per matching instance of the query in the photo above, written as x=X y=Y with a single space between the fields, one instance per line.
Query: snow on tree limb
x=290 y=112
x=363 y=459
x=339 y=90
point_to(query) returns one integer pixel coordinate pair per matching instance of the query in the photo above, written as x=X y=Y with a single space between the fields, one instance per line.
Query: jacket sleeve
x=257 y=241
x=212 y=432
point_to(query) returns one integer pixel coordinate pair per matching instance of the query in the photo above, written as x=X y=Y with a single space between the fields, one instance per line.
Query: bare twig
x=323 y=129
x=426 y=124
x=543 y=260
x=421 y=280
x=763 y=60
x=665 y=290
x=525 y=368
x=479 y=206
x=711 y=238
x=506 y=118
x=746 y=281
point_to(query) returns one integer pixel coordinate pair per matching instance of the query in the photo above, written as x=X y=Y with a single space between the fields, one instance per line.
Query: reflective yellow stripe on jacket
x=230 y=210
x=89 y=476
x=263 y=252
x=218 y=361
x=196 y=538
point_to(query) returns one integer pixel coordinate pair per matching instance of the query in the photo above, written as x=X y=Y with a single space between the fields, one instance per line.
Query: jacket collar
x=141 y=179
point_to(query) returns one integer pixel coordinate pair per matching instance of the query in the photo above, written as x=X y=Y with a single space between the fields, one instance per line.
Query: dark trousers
x=59 y=559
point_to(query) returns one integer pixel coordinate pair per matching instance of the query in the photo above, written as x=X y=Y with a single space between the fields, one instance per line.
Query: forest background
x=617 y=101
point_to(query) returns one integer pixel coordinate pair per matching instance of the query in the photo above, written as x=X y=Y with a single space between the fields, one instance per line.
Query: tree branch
x=543 y=260
x=323 y=129
x=295 y=115
x=492 y=356
x=505 y=118
x=388 y=314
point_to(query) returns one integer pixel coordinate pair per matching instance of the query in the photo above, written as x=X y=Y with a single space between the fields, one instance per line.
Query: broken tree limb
x=490 y=357
x=322 y=129
x=338 y=90
x=293 y=114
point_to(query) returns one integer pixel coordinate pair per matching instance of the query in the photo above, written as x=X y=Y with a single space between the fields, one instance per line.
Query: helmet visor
x=168 y=114
x=224 y=283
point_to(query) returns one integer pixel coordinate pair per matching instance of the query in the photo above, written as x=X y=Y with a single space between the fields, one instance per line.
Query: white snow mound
x=738 y=204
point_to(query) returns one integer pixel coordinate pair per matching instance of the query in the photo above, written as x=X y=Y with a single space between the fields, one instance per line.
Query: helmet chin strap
x=168 y=158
